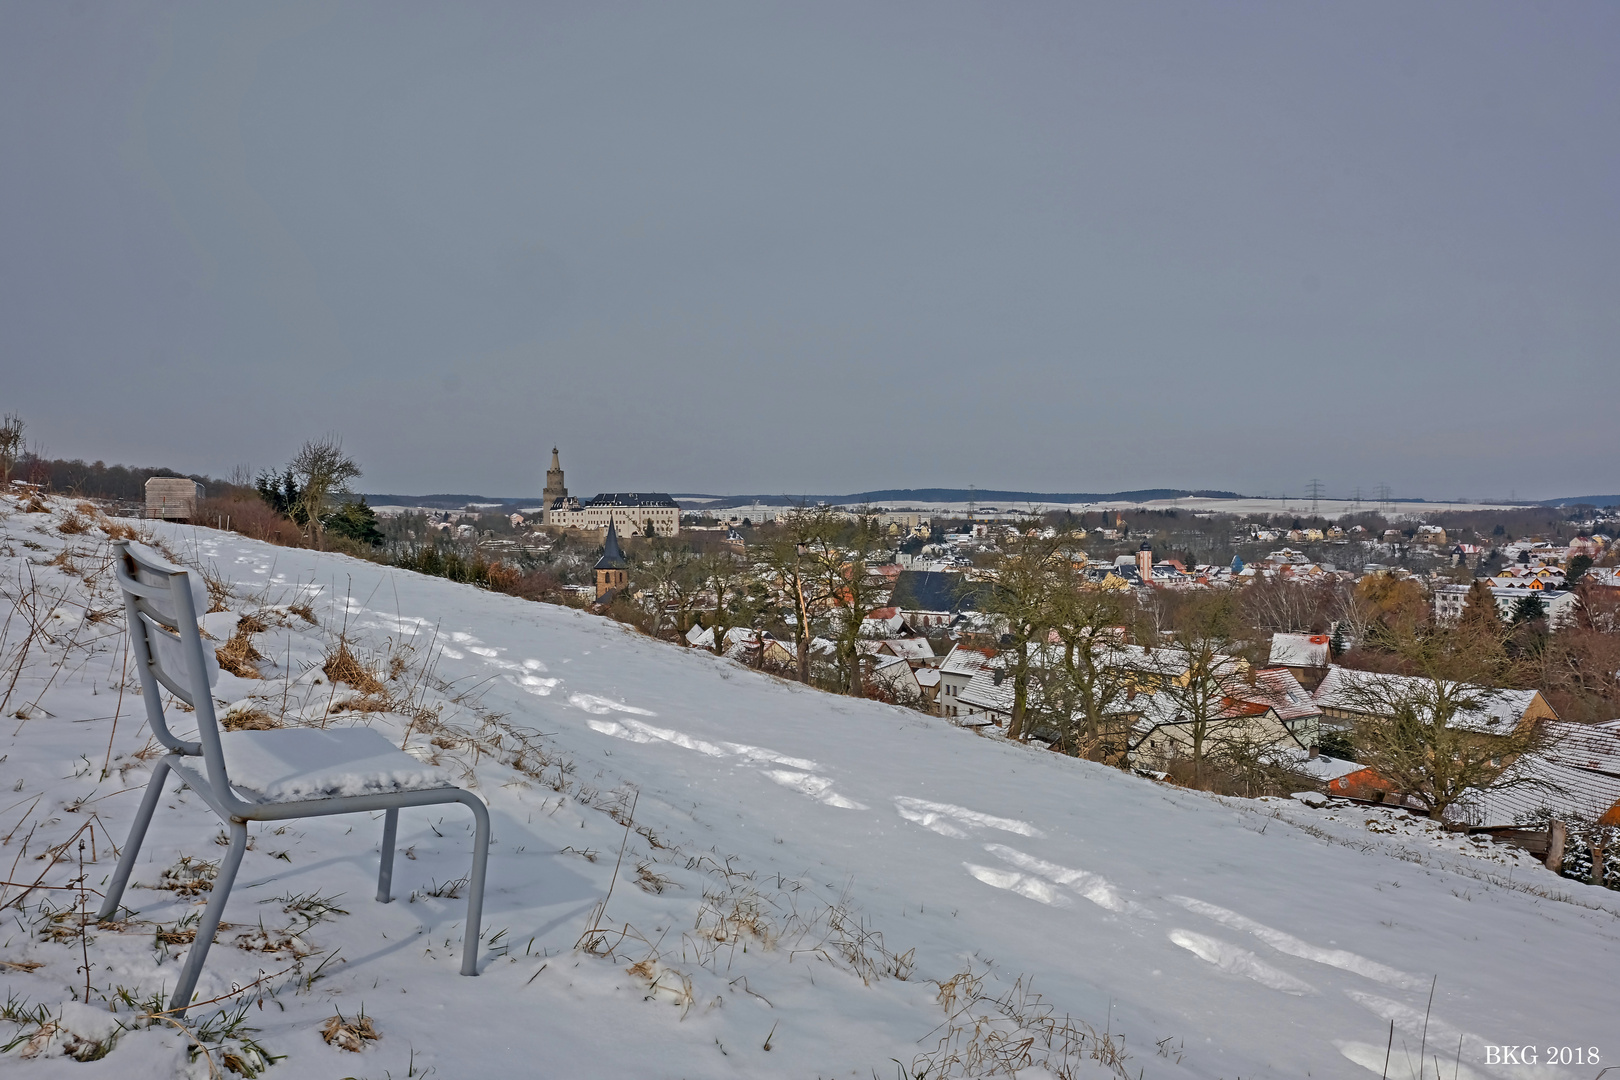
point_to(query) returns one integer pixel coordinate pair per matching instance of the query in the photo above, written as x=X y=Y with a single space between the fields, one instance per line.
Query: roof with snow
x=1299 y=650
x=1499 y=711
x=1594 y=747
x=1564 y=791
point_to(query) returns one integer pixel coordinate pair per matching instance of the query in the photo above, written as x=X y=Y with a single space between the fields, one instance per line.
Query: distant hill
x=1587 y=500
x=447 y=502
x=903 y=496
x=895 y=496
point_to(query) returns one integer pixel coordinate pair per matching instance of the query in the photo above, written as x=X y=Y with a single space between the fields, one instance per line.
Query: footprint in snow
x=1236 y=961
x=601 y=706
x=1421 y=1025
x=1025 y=885
x=957 y=822
x=798 y=776
x=817 y=787
x=1293 y=946
x=1094 y=887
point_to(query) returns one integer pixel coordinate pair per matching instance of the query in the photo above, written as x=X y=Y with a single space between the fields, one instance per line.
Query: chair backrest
x=161 y=605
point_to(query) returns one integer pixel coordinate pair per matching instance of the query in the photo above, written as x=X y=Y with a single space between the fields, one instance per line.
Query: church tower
x=610 y=568
x=554 y=487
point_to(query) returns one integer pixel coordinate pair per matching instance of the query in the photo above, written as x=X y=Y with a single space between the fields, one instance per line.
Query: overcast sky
x=819 y=247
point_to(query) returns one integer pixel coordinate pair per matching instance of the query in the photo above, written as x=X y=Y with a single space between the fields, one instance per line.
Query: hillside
x=809 y=885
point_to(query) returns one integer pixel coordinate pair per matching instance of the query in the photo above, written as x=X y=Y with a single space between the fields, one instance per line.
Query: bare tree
x=841 y=560
x=1025 y=579
x=1199 y=664
x=1431 y=734
x=1085 y=684
x=11 y=445
x=323 y=470
x=788 y=564
x=671 y=579
x=726 y=579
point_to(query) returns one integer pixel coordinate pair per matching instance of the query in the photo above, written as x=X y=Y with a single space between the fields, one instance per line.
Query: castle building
x=634 y=513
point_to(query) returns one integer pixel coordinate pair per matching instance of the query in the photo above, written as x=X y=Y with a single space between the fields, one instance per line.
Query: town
x=1115 y=636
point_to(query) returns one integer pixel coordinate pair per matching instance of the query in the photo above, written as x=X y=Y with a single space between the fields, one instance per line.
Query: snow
x=787 y=856
x=307 y=763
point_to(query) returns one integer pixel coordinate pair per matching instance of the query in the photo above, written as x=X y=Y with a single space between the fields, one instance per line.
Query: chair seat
x=295 y=764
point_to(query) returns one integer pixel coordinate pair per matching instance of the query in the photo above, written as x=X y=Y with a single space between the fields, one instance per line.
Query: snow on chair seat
x=293 y=764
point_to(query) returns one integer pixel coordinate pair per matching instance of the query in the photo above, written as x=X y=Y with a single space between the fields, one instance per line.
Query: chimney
x=1315 y=750
x=1144 y=562
x=996 y=675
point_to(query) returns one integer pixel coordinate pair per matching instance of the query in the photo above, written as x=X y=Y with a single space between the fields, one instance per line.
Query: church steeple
x=610 y=568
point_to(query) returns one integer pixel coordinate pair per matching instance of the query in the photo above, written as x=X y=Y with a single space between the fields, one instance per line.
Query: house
x=894 y=679
x=886 y=622
x=914 y=650
x=1278 y=689
x=1593 y=747
x=172 y=498
x=1347 y=778
x=1564 y=792
x=986 y=700
x=1161 y=729
x=956 y=671
x=1306 y=656
x=1345 y=697
x=1560 y=606
x=933 y=598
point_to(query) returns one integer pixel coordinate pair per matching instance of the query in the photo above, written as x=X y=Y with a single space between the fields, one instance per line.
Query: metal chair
x=260 y=775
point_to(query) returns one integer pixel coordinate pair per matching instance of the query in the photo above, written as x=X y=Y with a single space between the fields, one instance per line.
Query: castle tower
x=610 y=568
x=1144 y=562
x=554 y=487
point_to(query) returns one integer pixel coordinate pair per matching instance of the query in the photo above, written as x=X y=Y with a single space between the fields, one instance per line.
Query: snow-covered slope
x=800 y=874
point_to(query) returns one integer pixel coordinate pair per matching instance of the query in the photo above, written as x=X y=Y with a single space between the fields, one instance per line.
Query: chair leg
x=132 y=845
x=385 y=872
x=210 y=921
x=475 y=886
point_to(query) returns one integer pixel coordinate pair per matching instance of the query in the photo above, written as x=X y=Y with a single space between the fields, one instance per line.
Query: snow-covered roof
x=1594 y=747
x=962 y=660
x=1277 y=688
x=1500 y=711
x=1567 y=793
x=1323 y=768
x=1299 y=650
x=981 y=692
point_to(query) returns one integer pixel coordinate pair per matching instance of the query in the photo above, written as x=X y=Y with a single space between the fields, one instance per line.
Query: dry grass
x=237 y=655
x=651 y=881
x=35 y=506
x=219 y=590
x=371 y=703
x=119 y=530
x=73 y=525
x=351 y=1035
x=248 y=717
x=990 y=1035
x=342 y=666
x=189 y=876
x=304 y=610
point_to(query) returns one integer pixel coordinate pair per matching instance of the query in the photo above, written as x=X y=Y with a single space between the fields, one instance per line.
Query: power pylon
x=1314 y=490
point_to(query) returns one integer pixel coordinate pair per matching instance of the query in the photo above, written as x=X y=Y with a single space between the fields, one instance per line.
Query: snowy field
x=990 y=508
x=809 y=886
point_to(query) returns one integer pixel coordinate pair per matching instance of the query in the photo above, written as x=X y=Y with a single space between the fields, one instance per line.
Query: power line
x=1314 y=490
